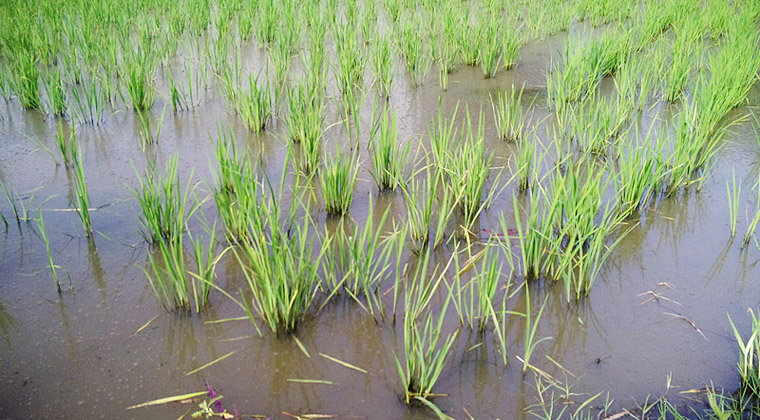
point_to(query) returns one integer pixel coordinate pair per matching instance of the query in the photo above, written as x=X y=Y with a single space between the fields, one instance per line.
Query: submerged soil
x=658 y=308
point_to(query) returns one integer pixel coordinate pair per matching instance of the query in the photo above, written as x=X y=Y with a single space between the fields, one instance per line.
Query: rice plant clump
x=388 y=158
x=165 y=207
x=173 y=282
x=337 y=178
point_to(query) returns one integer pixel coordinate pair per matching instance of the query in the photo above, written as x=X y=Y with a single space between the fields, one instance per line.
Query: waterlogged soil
x=658 y=309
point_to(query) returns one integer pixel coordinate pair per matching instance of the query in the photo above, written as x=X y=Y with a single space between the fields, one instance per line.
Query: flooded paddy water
x=654 y=323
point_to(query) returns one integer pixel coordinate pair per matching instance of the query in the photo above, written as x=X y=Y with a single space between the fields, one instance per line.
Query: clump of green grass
x=419 y=198
x=641 y=171
x=510 y=47
x=351 y=61
x=176 y=286
x=444 y=137
x=361 y=259
x=416 y=57
x=56 y=97
x=87 y=101
x=80 y=190
x=468 y=171
x=381 y=57
x=138 y=80
x=388 y=158
x=425 y=350
x=678 y=71
x=281 y=272
x=489 y=56
x=306 y=114
x=165 y=207
x=25 y=83
x=254 y=106
x=336 y=179
x=749 y=357
x=238 y=190
x=508 y=114
x=525 y=164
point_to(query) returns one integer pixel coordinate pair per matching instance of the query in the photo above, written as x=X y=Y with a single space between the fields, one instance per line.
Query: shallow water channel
x=659 y=306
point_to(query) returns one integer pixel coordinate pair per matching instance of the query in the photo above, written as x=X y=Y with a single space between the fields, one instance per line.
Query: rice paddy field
x=434 y=209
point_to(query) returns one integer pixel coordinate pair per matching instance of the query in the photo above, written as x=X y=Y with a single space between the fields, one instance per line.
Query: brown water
x=75 y=356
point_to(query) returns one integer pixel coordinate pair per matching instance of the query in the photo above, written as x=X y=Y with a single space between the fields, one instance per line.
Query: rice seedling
x=389 y=159
x=364 y=257
x=25 y=83
x=351 y=61
x=416 y=56
x=176 y=94
x=54 y=90
x=18 y=208
x=267 y=21
x=482 y=288
x=510 y=47
x=67 y=146
x=306 y=113
x=5 y=83
x=468 y=172
x=175 y=285
x=535 y=235
x=580 y=266
x=254 y=106
x=205 y=269
x=164 y=207
x=53 y=268
x=641 y=170
x=279 y=53
x=368 y=21
x=444 y=209
x=419 y=198
x=749 y=366
x=733 y=193
x=489 y=51
x=755 y=219
x=281 y=272
x=87 y=101
x=525 y=171
x=424 y=356
x=351 y=101
x=444 y=44
x=508 y=114
x=80 y=189
x=393 y=9
x=315 y=62
x=531 y=326
x=238 y=192
x=678 y=71
x=653 y=22
x=694 y=142
x=382 y=63
x=336 y=179
x=138 y=80
x=593 y=126
x=443 y=138
x=468 y=39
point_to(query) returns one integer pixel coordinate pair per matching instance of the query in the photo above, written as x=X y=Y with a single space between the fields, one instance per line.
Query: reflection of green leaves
x=41 y=226
x=6 y=320
x=530 y=330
